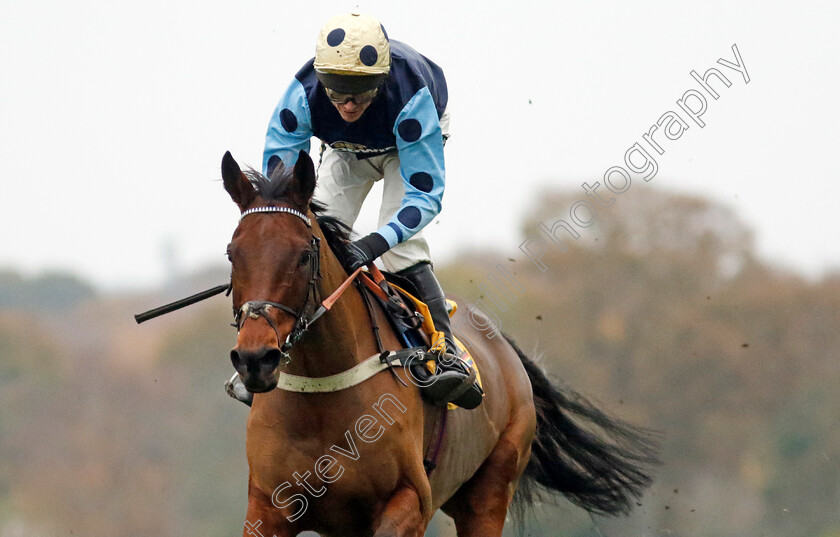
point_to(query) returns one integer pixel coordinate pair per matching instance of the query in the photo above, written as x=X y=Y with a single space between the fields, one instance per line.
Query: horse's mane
x=336 y=232
x=275 y=188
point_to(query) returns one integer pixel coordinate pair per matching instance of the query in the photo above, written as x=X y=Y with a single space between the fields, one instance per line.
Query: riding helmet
x=352 y=54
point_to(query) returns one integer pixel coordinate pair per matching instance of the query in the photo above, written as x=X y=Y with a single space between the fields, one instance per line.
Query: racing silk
x=404 y=117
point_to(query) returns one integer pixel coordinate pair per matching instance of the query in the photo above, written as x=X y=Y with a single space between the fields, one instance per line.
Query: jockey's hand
x=365 y=250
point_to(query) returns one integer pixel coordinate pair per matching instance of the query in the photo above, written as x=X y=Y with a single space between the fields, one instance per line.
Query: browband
x=272 y=209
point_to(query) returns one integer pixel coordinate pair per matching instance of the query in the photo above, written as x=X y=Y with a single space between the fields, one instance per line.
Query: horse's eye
x=304 y=259
x=227 y=253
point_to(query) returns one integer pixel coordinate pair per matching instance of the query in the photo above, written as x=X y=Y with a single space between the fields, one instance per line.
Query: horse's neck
x=343 y=336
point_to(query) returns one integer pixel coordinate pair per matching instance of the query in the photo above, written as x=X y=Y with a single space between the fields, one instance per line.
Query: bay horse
x=351 y=462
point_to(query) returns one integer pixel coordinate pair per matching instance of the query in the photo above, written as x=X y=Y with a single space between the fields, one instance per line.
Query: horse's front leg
x=264 y=519
x=402 y=515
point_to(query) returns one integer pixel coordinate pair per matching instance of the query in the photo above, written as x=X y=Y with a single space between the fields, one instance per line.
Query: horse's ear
x=304 y=178
x=237 y=185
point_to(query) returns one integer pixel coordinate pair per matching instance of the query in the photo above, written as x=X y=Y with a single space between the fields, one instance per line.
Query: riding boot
x=236 y=389
x=454 y=381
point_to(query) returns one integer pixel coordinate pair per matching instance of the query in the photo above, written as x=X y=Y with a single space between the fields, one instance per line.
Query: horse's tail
x=597 y=462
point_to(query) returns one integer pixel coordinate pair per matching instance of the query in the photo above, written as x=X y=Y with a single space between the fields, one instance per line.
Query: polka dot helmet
x=352 y=53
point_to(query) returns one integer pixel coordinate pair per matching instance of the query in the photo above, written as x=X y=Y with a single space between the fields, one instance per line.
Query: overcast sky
x=114 y=117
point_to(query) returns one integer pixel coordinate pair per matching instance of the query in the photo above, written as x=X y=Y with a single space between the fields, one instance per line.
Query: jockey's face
x=351 y=111
x=351 y=106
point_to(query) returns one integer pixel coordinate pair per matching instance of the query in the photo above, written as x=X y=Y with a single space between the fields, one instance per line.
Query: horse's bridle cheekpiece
x=254 y=309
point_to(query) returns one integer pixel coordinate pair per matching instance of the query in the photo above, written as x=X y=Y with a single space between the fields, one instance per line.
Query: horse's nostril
x=270 y=360
x=235 y=359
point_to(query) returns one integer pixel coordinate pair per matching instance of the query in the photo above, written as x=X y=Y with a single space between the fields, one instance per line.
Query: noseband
x=305 y=315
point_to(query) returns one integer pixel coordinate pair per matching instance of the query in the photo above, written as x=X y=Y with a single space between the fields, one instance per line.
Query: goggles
x=358 y=98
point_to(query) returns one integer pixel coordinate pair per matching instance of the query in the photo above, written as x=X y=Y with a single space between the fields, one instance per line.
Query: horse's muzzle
x=257 y=368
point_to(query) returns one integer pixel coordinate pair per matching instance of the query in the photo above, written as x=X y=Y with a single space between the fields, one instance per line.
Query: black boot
x=454 y=381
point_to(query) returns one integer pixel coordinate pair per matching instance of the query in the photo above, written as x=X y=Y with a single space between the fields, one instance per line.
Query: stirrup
x=236 y=389
x=455 y=382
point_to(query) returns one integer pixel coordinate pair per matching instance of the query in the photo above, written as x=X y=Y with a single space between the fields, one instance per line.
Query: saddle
x=410 y=318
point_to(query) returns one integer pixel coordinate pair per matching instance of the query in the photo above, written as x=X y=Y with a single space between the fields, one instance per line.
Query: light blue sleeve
x=420 y=146
x=290 y=129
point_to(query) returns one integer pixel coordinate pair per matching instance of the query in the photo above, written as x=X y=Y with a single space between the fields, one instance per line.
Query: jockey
x=379 y=109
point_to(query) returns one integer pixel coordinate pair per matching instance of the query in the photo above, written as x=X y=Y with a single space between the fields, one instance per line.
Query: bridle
x=309 y=311
x=304 y=315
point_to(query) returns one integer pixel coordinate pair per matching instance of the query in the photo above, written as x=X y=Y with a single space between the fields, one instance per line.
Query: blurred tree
x=28 y=371
x=662 y=309
x=53 y=291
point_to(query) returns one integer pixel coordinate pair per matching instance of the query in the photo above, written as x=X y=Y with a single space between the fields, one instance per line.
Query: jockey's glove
x=365 y=250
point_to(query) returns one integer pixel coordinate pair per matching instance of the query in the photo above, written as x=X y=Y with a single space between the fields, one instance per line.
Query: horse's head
x=275 y=264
